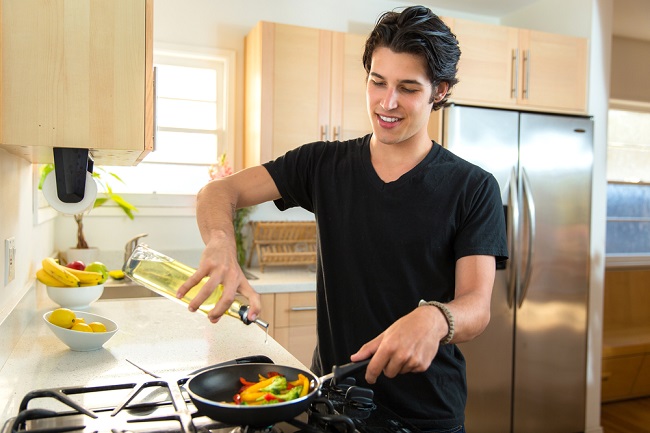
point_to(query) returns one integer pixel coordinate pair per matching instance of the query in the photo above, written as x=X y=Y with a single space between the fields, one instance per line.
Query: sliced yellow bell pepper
x=257 y=386
x=252 y=396
x=305 y=385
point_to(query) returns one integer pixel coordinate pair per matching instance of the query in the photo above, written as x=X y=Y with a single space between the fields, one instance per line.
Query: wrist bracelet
x=448 y=316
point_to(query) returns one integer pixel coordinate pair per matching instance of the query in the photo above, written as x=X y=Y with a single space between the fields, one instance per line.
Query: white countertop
x=282 y=279
x=155 y=333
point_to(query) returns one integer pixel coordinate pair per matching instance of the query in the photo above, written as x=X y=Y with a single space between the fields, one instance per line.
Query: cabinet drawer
x=295 y=309
x=642 y=383
x=619 y=375
x=295 y=324
x=299 y=340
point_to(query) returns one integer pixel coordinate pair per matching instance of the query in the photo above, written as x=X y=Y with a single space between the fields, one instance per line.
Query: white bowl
x=83 y=341
x=75 y=298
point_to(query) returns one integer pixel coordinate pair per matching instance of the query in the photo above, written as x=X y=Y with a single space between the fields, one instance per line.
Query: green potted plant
x=100 y=175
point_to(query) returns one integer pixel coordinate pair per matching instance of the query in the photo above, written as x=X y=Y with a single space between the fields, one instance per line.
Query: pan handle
x=344 y=370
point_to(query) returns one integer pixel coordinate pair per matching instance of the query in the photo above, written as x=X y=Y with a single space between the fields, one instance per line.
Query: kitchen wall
x=630 y=69
x=170 y=220
x=33 y=242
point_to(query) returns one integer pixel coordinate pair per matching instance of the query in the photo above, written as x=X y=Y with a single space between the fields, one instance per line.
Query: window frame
x=191 y=56
x=182 y=55
x=627 y=260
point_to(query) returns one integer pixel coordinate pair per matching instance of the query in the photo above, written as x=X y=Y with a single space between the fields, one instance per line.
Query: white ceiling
x=631 y=17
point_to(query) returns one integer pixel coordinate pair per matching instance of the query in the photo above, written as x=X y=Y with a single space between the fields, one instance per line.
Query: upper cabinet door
x=78 y=74
x=554 y=71
x=284 y=94
x=349 y=114
x=507 y=67
x=302 y=85
x=487 y=70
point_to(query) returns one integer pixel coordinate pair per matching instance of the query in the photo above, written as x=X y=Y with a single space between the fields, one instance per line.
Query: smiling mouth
x=388 y=119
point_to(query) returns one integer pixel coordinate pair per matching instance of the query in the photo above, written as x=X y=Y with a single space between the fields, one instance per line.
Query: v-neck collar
x=403 y=179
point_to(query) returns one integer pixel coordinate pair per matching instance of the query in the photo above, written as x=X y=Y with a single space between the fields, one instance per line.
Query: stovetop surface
x=163 y=406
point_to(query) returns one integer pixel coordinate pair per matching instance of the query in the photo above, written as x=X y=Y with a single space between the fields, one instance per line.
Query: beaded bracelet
x=448 y=316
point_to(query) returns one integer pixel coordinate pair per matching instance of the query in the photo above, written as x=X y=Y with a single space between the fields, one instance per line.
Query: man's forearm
x=215 y=210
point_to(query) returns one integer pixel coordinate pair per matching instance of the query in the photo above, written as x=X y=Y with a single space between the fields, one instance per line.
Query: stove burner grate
x=164 y=406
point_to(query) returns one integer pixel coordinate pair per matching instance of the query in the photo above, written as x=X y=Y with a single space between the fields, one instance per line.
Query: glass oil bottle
x=165 y=275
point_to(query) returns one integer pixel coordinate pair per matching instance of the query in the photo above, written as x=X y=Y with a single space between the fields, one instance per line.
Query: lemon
x=78 y=320
x=116 y=274
x=83 y=327
x=63 y=317
x=97 y=327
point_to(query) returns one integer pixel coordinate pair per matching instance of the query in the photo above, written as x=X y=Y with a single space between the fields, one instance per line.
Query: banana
x=59 y=272
x=47 y=279
x=87 y=278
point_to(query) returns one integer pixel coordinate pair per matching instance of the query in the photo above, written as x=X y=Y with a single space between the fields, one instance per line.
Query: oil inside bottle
x=165 y=275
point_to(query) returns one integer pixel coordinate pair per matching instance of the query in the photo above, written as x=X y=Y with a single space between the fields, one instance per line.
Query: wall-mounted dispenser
x=70 y=187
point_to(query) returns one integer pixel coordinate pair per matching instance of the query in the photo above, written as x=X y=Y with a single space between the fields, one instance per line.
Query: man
x=400 y=219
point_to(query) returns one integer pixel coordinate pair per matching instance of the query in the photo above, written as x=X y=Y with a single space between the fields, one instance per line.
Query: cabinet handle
x=336 y=133
x=303 y=308
x=323 y=132
x=515 y=73
x=527 y=74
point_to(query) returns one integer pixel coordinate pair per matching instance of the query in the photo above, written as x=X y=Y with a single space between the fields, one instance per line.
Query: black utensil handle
x=253 y=359
x=343 y=370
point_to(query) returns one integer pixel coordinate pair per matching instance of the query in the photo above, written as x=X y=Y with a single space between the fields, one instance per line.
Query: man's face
x=398 y=95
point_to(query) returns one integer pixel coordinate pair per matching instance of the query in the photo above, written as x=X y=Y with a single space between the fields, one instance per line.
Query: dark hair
x=417 y=30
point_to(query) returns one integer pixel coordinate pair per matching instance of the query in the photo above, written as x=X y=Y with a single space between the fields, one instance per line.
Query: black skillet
x=212 y=392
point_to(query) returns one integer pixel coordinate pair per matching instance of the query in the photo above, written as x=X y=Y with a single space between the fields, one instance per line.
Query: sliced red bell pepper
x=246 y=382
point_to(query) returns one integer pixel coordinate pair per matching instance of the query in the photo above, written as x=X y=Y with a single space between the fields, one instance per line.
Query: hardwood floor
x=629 y=416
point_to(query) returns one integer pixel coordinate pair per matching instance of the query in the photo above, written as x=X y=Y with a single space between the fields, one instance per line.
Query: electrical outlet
x=10 y=260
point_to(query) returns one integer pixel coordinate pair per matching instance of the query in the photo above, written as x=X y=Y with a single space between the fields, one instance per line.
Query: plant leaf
x=116 y=176
x=100 y=201
x=122 y=203
x=45 y=170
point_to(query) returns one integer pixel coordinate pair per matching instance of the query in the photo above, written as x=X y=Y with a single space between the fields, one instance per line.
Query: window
x=628 y=176
x=194 y=122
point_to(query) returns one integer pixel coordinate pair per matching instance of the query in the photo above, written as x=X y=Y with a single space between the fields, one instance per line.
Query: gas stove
x=161 y=405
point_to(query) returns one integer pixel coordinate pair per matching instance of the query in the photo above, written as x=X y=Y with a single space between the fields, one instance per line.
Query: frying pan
x=212 y=392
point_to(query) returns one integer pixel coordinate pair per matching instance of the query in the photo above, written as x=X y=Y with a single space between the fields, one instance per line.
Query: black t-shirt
x=384 y=246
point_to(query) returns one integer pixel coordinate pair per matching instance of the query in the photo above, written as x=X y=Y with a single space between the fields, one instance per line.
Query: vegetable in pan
x=271 y=389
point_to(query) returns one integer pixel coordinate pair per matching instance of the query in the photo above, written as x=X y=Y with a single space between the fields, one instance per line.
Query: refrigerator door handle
x=512 y=223
x=530 y=205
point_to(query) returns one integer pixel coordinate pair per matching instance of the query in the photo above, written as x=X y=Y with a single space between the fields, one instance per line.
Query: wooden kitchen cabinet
x=302 y=85
x=508 y=67
x=77 y=74
x=618 y=377
x=293 y=322
x=626 y=335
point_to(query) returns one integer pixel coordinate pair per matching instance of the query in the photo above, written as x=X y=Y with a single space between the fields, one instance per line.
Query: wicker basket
x=284 y=243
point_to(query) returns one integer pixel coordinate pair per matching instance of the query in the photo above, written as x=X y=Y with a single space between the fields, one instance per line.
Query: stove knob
x=359 y=397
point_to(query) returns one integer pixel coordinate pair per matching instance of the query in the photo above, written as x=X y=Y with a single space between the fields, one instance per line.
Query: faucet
x=131 y=244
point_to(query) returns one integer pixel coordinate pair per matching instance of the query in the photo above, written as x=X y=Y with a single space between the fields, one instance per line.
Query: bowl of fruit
x=79 y=330
x=74 y=285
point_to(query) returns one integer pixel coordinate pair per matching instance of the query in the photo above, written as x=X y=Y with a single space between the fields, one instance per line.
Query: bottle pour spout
x=241 y=312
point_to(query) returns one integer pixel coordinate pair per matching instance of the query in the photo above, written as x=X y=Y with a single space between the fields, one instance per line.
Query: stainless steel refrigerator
x=527 y=372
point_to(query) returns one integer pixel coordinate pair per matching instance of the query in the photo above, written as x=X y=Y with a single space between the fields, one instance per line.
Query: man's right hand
x=219 y=264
